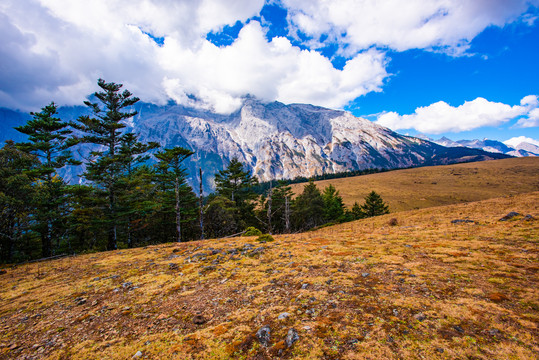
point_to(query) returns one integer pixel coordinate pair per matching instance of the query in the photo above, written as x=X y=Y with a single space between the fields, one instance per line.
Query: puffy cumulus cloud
x=441 y=117
x=515 y=141
x=532 y=118
x=56 y=49
x=274 y=70
x=77 y=42
x=447 y=25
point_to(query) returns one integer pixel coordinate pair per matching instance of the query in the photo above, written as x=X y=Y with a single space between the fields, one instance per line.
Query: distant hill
x=493 y=146
x=441 y=185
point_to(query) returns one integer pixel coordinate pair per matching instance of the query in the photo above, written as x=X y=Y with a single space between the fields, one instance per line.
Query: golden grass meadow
x=425 y=288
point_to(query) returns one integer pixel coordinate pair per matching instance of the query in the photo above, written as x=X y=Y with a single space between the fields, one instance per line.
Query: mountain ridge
x=278 y=141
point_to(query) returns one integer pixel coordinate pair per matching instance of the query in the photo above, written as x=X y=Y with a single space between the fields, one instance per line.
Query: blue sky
x=456 y=68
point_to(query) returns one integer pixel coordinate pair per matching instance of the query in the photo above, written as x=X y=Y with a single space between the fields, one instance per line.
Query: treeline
x=264 y=186
x=126 y=202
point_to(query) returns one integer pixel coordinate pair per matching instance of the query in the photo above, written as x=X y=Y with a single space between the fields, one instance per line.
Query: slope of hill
x=426 y=288
x=440 y=185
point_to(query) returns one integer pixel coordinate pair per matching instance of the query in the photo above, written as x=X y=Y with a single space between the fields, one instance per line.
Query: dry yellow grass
x=424 y=289
x=440 y=185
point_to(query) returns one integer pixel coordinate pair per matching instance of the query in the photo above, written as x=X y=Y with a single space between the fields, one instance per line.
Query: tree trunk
x=201 y=212
x=178 y=224
x=46 y=245
x=112 y=244
x=287 y=214
x=270 y=193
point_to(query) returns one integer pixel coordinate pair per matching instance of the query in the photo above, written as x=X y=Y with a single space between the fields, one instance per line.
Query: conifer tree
x=236 y=184
x=279 y=212
x=374 y=205
x=308 y=208
x=356 y=211
x=49 y=141
x=172 y=174
x=105 y=129
x=132 y=153
x=16 y=194
x=333 y=204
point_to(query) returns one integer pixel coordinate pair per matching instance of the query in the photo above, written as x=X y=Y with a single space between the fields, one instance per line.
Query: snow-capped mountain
x=493 y=146
x=279 y=141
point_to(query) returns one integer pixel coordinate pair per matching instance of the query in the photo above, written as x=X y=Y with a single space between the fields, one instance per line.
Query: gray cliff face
x=280 y=141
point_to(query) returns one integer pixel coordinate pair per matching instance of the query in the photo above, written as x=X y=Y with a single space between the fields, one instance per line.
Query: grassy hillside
x=423 y=289
x=441 y=185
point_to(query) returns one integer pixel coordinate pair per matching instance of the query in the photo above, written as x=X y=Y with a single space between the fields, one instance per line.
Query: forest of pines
x=127 y=200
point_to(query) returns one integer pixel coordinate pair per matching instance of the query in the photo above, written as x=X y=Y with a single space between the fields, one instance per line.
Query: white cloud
x=441 y=117
x=107 y=40
x=515 y=141
x=447 y=25
x=274 y=70
x=56 y=49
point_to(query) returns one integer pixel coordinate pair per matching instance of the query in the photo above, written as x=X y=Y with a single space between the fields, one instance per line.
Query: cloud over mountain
x=56 y=49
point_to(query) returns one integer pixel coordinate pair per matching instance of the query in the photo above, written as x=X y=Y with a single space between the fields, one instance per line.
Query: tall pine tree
x=236 y=184
x=172 y=176
x=49 y=140
x=308 y=208
x=16 y=194
x=105 y=129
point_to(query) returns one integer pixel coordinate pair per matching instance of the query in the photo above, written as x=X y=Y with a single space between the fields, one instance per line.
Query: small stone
x=462 y=221
x=304 y=286
x=458 y=329
x=528 y=218
x=264 y=335
x=127 y=284
x=420 y=317
x=173 y=266
x=365 y=274
x=199 y=320
x=283 y=316
x=329 y=281
x=494 y=332
x=80 y=301
x=509 y=216
x=291 y=337
x=395 y=312
x=137 y=355
x=307 y=328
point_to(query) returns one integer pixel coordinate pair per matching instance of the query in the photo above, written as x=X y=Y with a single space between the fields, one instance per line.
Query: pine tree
x=16 y=194
x=172 y=174
x=236 y=184
x=333 y=204
x=105 y=129
x=49 y=141
x=356 y=211
x=374 y=205
x=278 y=214
x=132 y=154
x=308 y=208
